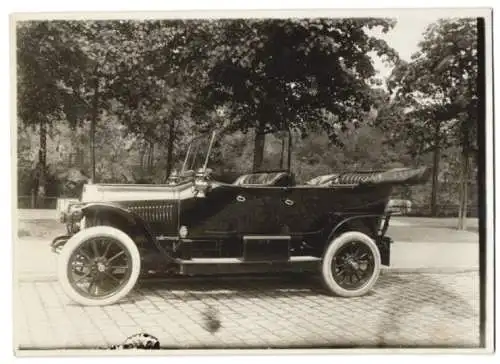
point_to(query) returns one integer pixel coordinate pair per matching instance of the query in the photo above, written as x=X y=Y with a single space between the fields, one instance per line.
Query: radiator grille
x=156 y=212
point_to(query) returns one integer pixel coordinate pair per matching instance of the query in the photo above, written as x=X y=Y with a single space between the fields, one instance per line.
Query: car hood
x=135 y=192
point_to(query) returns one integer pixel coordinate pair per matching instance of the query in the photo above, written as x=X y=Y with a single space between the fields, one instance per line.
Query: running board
x=209 y=266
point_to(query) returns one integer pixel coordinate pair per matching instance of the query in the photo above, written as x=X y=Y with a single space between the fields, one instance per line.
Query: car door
x=300 y=210
x=230 y=210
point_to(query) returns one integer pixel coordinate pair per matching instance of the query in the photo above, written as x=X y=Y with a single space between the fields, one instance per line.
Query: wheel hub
x=353 y=264
x=101 y=267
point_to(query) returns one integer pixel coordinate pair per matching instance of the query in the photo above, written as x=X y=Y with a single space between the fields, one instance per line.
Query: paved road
x=404 y=310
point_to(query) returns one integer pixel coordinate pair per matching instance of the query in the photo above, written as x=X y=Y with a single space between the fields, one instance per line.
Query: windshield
x=198 y=153
x=216 y=146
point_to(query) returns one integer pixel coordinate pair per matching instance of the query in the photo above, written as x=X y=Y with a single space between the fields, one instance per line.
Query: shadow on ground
x=404 y=310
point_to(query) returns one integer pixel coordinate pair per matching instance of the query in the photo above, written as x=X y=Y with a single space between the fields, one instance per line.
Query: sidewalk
x=434 y=257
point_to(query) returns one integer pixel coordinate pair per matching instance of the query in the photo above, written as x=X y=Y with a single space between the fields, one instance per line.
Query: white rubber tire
x=326 y=265
x=75 y=241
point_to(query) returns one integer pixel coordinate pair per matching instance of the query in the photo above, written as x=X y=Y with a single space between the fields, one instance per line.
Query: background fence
x=27 y=202
x=443 y=211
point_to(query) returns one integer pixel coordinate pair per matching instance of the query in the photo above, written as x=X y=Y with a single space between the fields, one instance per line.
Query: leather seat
x=282 y=179
x=408 y=176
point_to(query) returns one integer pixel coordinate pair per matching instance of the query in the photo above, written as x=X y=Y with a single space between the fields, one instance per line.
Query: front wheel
x=351 y=265
x=99 y=266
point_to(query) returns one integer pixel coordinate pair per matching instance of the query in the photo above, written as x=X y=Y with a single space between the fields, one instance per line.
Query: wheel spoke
x=347 y=278
x=83 y=254
x=92 y=286
x=119 y=266
x=115 y=256
x=358 y=276
x=110 y=242
x=112 y=277
x=82 y=277
x=94 y=248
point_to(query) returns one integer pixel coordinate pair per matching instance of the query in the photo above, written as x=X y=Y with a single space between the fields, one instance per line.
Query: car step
x=208 y=266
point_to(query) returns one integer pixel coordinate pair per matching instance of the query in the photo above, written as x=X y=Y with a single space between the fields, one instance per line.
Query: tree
x=272 y=75
x=155 y=92
x=47 y=59
x=438 y=92
x=110 y=48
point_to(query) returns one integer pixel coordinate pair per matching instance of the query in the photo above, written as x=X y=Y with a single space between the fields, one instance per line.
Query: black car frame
x=196 y=225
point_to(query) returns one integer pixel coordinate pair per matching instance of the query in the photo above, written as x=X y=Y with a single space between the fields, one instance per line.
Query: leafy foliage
x=436 y=95
x=273 y=75
x=436 y=101
x=132 y=93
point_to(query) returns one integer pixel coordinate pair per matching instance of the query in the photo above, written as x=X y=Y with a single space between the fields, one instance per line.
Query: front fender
x=133 y=221
x=95 y=207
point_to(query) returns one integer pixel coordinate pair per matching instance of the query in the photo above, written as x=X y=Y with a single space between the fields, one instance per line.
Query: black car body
x=262 y=222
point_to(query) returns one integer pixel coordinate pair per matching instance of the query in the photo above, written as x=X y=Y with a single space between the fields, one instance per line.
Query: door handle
x=289 y=202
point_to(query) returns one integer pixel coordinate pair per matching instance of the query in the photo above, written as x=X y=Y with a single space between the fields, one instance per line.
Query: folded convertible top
x=396 y=176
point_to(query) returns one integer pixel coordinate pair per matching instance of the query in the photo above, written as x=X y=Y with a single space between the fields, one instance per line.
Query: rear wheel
x=351 y=265
x=99 y=266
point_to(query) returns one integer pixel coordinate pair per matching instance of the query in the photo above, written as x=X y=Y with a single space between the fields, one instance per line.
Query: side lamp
x=202 y=183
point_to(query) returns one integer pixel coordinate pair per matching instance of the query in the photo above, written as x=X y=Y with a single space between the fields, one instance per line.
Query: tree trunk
x=92 y=150
x=93 y=122
x=282 y=154
x=142 y=154
x=259 y=144
x=464 y=195
x=170 y=146
x=435 y=180
x=151 y=156
x=33 y=198
x=42 y=163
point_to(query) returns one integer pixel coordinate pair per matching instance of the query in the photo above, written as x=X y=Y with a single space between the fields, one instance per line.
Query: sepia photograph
x=278 y=180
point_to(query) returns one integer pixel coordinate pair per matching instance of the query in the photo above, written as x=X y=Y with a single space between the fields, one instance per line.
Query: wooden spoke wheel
x=99 y=266
x=351 y=265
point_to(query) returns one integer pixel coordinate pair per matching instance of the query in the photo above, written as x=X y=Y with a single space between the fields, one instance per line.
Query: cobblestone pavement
x=403 y=310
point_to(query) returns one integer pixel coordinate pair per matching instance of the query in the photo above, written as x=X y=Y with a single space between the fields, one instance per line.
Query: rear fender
x=356 y=223
x=134 y=225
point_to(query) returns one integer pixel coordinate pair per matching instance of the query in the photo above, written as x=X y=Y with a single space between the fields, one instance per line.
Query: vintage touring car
x=194 y=224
